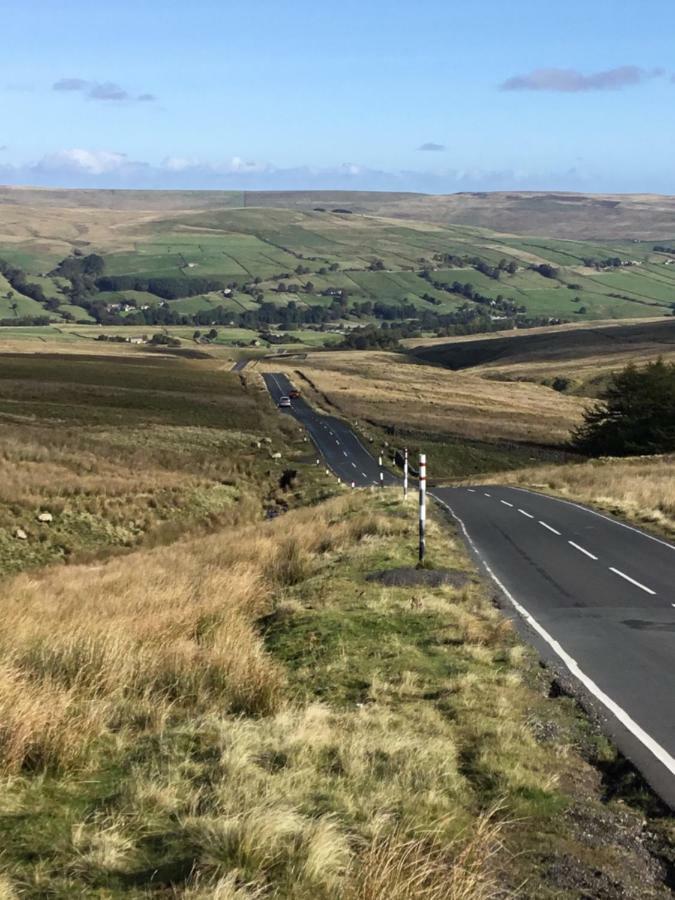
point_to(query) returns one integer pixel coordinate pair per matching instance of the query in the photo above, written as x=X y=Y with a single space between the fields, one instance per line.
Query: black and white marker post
x=379 y=462
x=405 y=474
x=423 y=504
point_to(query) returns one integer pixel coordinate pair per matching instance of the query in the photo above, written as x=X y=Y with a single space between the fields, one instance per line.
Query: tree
x=635 y=415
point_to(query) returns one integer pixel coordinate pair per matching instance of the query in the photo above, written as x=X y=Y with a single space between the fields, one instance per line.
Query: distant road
x=337 y=443
x=240 y=365
x=596 y=595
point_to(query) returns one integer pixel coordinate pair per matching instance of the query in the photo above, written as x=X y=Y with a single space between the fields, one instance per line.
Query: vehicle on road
x=284 y=402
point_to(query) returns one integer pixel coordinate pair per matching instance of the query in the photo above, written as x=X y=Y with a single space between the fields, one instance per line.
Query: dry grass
x=387 y=389
x=90 y=648
x=164 y=643
x=641 y=489
x=397 y=867
x=153 y=737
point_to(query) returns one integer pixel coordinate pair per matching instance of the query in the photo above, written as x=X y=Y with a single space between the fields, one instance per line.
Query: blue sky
x=258 y=94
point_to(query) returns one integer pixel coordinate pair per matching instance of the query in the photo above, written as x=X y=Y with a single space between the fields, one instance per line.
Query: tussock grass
x=398 y=867
x=393 y=391
x=243 y=715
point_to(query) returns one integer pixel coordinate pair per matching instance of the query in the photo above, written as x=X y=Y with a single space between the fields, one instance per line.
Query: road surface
x=594 y=594
x=598 y=596
x=337 y=443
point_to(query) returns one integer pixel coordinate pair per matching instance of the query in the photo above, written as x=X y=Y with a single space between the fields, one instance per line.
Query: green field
x=369 y=258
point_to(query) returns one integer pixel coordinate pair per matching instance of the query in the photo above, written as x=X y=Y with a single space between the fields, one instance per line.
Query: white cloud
x=88 y=162
x=105 y=168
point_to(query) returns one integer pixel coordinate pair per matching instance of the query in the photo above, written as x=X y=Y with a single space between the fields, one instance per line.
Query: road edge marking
x=647 y=741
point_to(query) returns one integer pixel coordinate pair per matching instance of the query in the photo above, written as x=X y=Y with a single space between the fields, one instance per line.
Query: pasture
x=368 y=257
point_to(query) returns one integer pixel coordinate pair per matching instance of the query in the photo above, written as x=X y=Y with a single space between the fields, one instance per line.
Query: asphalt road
x=341 y=449
x=596 y=597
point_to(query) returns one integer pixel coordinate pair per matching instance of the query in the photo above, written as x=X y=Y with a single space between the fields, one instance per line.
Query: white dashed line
x=582 y=550
x=632 y=581
x=344 y=452
x=657 y=751
x=354 y=464
x=486 y=494
x=506 y=503
x=523 y=513
x=550 y=527
x=364 y=474
x=471 y=490
x=337 y=442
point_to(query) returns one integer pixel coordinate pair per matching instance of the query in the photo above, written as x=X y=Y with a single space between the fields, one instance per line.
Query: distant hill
x=205 y=258
x=545 y=213
x=564 y=350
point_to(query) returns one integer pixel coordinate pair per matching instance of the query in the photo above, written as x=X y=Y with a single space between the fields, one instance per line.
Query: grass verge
x=253 y=714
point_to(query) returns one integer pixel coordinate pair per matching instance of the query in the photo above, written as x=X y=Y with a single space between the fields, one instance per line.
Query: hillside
x=223 y=681
x=551 y=214
x=576 y=359
x=257 y=267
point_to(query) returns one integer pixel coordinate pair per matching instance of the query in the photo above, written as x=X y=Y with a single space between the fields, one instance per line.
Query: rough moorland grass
x=245 y=715
x=640 y=489
x=122 y=451
x=393 y=391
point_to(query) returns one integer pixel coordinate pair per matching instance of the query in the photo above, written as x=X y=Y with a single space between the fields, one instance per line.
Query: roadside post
x=405 y=474
x=423 y=505
x=379 y=462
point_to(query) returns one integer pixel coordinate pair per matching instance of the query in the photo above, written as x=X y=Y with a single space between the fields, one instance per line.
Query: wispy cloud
x=431 y=147
x=104 y=90
x=70 y=84
x=106 y=168
x=573 y=81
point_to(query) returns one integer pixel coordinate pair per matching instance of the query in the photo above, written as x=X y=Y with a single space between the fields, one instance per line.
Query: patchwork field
x=428 y=274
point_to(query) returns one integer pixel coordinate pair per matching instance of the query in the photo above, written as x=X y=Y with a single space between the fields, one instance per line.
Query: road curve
x=593 y=594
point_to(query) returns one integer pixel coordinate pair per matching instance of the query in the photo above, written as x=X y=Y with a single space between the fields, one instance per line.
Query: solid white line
x=522 y=512
x=581 y=549
x=595 y=513
x=550 y=528
x=506 y=503
x=632 y=580
x=659 y=752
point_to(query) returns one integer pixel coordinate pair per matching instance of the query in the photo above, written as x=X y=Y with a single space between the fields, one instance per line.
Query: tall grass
x=392 y=391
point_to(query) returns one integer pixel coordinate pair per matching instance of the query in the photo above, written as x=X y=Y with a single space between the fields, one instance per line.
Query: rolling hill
x=371 y=257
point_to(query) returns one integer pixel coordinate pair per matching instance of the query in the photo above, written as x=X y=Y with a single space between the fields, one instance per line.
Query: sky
x=436 y=96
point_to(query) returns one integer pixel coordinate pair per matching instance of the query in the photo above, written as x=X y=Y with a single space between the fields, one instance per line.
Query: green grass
x=237 y=245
